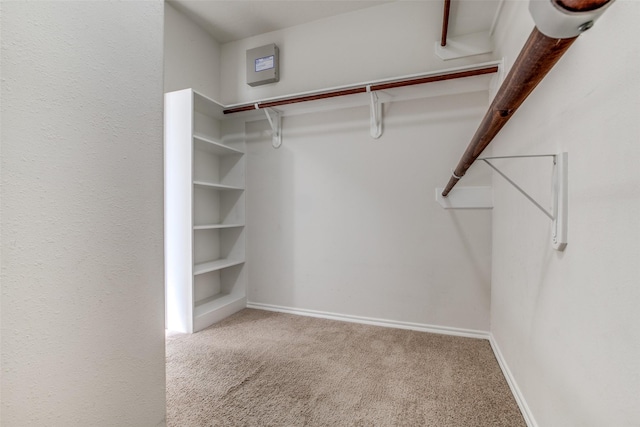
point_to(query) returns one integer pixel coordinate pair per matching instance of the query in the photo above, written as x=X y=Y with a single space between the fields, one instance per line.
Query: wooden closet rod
x=445 y=22
x=363 y=89
x=539 y=54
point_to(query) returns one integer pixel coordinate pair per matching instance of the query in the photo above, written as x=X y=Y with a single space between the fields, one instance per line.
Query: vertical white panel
x=178 y=209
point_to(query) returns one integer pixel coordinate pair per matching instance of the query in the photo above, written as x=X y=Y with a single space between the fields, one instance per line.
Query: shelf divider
x=216 y=226
x=216 y=186
x=219 y=264
x=207 y=144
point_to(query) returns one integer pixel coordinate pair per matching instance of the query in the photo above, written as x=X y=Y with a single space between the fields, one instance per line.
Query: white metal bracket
x=276 y=126
x=561 y=201
x=559 y=194
x=376 y=114
x=463 y=46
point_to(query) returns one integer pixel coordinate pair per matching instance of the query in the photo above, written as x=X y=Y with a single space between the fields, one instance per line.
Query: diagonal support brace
x=559 y=194
x=376 y=114
x=275 y=121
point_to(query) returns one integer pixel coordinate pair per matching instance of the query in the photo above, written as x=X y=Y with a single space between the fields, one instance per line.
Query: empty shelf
x=214 y=303
x=215 y=186
x=206 y=144
x=205 y=105
x=216 y=226
x=218 y=264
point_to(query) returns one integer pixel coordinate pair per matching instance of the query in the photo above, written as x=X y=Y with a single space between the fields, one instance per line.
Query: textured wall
x=191 y=56
x=340 y=222
x=567 y=323
x=82 y=258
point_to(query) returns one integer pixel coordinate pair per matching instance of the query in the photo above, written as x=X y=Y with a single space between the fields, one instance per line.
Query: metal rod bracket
x=561 y=201
x=275 y=121
x=559 y=195
x=376 y=114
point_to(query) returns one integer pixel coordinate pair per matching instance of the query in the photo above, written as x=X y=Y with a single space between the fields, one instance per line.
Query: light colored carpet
x=259 y=368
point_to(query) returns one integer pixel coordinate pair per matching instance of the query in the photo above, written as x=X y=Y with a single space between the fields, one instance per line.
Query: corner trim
x=513 y=385
x=444 y=330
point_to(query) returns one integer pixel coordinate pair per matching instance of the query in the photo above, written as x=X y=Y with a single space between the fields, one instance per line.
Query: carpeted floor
x=259 y=368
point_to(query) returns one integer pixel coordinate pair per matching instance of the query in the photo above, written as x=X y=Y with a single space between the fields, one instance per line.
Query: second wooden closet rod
x=364 y=88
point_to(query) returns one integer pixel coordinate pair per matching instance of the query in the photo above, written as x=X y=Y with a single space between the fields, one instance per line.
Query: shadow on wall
x=470 y=253
x=271 y=194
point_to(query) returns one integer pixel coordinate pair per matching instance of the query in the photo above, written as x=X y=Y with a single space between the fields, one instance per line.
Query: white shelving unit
x=204 y=212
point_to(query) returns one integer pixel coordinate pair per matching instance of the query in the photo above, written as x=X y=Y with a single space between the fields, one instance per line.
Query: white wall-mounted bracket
x=463 y=46
x=275 y=121
x=561 y=201
x=559 y=195
x=376 y=114
x=466 y=198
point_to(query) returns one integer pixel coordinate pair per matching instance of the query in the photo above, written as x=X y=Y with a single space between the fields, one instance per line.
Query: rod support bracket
x=559 y=195
x=560 y=201
x=275 y=121
x=375 y=125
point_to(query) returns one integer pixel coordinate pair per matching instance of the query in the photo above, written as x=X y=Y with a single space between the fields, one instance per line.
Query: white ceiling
x=229 y=20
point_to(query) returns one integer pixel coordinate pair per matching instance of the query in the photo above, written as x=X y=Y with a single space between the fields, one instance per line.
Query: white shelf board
x=219 y=311
x=205 y=105
x=218 y=264
x=214 y=303
x=216 y=226
x=214 y=186
x=205 y=144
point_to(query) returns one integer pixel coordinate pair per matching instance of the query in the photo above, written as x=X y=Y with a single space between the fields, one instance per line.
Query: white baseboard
x=513 y=385
x=445 y=330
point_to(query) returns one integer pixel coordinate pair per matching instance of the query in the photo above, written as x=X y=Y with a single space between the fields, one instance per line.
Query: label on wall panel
x=265 y=63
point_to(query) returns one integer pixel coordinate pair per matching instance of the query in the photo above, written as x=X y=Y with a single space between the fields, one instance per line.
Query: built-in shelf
x=218 y=264
x=206 y=144
x=214 y=302
x=216 y=226
x=215 y=186
x=204 y=212
x=207 y=106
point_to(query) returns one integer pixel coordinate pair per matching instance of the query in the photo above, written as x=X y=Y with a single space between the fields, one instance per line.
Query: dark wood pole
x=539 y=54
x=537 y=57
x=445 y=22
x=363 y=89
x=581 y=5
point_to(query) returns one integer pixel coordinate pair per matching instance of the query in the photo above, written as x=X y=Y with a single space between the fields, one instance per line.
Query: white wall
x=567 y=323
x=339 y=222
x=82 y=257
x=385 y=41
x=191 y=56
